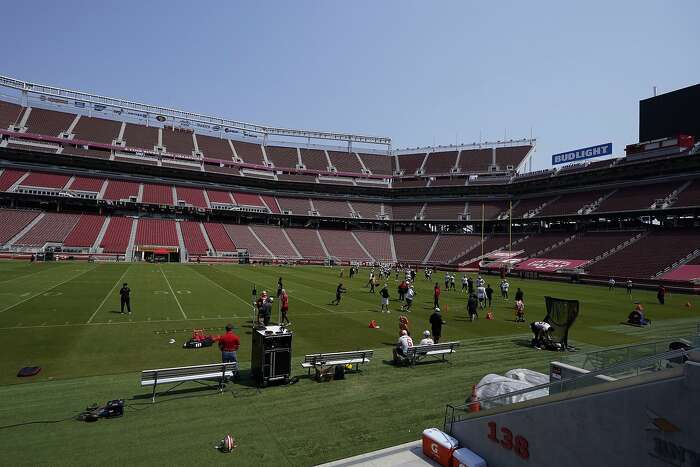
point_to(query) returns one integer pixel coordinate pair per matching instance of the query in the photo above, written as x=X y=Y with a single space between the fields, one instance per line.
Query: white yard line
x=108 y=294
x=223 y=288
x=173 y=292
x=47 y=290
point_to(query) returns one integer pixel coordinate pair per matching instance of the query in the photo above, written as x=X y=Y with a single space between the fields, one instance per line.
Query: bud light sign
x=581 y=154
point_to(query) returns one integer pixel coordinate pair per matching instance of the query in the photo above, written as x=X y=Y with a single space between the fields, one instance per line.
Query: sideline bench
x=321 y=360
x=196 y=373
x=438 y=351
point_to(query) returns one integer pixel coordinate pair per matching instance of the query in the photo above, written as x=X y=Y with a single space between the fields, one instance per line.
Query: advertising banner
x=550 y=265
x=582 y=154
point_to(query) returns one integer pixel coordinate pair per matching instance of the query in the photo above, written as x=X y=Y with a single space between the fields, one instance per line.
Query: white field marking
x=25 y=294
x=223 y=288
x=160 y=292
x=184 y=292
x=108 y=294
x=44 y=291
x=173 y=292
x=52 y=294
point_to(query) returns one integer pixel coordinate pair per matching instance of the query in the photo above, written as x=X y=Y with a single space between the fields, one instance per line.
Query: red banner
x=550 y=265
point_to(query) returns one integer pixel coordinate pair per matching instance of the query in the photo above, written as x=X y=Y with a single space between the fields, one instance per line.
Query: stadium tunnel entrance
x=157 y=254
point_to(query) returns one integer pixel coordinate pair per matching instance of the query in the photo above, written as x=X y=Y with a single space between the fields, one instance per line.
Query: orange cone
x=688 y=305
x=373 y=324
x=474 y=405
x=489 y=315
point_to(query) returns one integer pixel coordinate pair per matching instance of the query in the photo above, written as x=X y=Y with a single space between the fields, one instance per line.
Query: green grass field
x=64 y=317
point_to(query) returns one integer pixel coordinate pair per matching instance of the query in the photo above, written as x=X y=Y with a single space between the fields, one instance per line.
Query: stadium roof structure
x=183 y=118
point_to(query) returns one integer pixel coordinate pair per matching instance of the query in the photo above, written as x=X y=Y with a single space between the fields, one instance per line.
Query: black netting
x=561 y=314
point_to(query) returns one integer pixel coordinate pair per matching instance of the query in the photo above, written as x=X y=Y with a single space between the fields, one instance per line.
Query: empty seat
x=314 y=159
x=45 y=180
x=345 y=161
x=307 y=243
x=87 y=184
x=410 y=163
x=342 y=245
x=117 y=235
x=282 y=157
x=140 y=136
x=48 y=122
x=379 y=164
x=191 y=196
x=244 y=239
x=249 y=152
x=376 y=243
x=275 y=241
x=12 y=221
x=412 y=247
x=53 y=227
x=219 y=238
x=156 y=232
x=440 y=162
x=178 y=140
x=9 y=177
x=98 y=130
x=193 y=238
x=157 y=194
x=215 y=148
x=120 y=190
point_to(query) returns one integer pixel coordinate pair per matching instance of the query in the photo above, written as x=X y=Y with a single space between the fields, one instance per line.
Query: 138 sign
x=505 y=438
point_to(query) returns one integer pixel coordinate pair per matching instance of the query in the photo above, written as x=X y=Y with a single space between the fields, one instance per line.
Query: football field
x=65 y=318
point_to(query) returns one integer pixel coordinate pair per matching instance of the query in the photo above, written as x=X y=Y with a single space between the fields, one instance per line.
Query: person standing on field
x=284 y=307
x=436 y=296
x=384 y=294
x=436 y=323
x=629 y=287
x=125 y=297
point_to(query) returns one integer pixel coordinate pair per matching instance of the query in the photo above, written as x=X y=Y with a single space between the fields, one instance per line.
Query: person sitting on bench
x=401 y=349
x=427 y=340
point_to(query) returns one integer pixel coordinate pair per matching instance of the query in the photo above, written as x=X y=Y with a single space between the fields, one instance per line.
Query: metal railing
x=648 y=364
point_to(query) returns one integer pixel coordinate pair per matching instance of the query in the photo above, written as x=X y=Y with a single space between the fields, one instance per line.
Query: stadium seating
x=243 y=238
x=219 y=238
x=297 y=206
x=475 y=160
x=247 y=199
x=139 y=136
x=156 y=232
x=178 y=140
x=282 y=157
x=527 y=205
x=191 y=196
x=119 y=190
x=539 y=241
x=89 y=184
x=222 y=197
x=157 y=194
x=69 y=149
x=98 y=130
x=450 y=247
x=345 y=161
x=307 y=243
x=648 y=256
x=490 y=210
x=379 y=164
x=367 y=210
x=571 y=203
x=444 y=211
x=314 y=159
x=53 y=227
x=511 y=156
x=249 y=152
x=193 y=238
x=300 y=178
x=589 y=245
x=410 y=183
x=342 y=245
x=9 y=177
x=377 y=244
x=491 y=243
x=45 y=180
x=116 y=238
x=406 y=211
x=331 y=208
x=440 y=162
x=275 y=241
x=410 y=163
x=12 y=221
x=215 y=148
x=10 y=114
x=637 y=197
x=85 y=232
x=271 y=203
x=412 y=247
x=690 y=196
x=48 y=122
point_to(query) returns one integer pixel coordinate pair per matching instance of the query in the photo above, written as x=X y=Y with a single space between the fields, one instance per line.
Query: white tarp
x=523 y=374
x=493 y=385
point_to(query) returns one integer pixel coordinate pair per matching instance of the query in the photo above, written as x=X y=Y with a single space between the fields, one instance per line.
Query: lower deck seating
x=378 y=244
x=193 y=238
x=244 y=239
x=12 y=221
x=116 y=238
x=275 y=241
x=307 y=243
x=589 y=245
x=450 y=247
x=649 y=255
x=219 y=238
x=85 y=232
x=53 y=227
x=156 y=232
x=412 y=247
x=342 y=245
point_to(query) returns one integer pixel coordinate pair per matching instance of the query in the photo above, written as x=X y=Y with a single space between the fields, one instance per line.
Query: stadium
x=199 y=214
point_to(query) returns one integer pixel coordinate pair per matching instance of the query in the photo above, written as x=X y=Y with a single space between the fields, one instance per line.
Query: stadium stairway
x=291 y=243
x=132 y=240
x=362 y=246
x=393 y=247
x=430 y=250
x=323 y=245
x=180 y=239
x=101 y=234
x=204 y=230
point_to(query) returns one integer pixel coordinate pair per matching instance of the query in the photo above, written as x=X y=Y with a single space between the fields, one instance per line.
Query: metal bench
x=321 y=360
x=438 y=351
x=196 y=373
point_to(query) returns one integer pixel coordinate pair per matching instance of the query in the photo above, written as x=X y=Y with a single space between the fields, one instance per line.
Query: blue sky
x=421 y=73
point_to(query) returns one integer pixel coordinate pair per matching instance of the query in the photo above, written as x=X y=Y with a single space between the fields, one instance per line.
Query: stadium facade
x=94 y=177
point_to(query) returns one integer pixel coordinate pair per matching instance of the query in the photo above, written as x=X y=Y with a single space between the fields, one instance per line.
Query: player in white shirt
x=401 y=348
x=481 y=296
x=504 y=289
x=611 y=283
x=542 y=331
